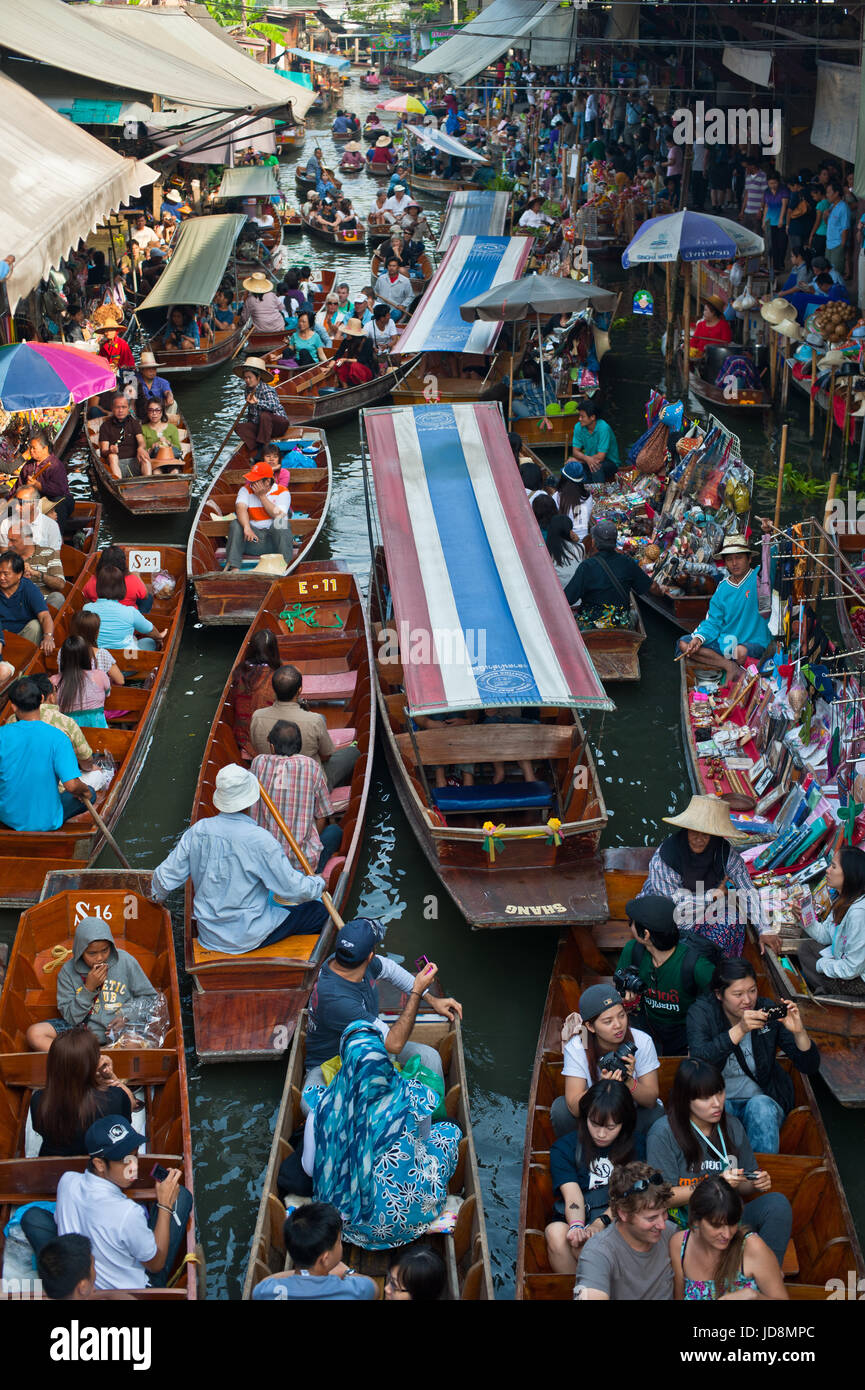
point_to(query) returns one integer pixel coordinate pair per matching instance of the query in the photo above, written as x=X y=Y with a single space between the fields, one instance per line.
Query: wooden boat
x=465 y=1252
x=303 y=403
x=290 y=137
x=304 y=183
x=162 y=492
x=292 y=222
x=243 y=1004
x=143 y=929
x=351 y=168
x=223 y=347
x=418 y=282
x=26 y=857
x=616 y=650
x=437 y=187
x=236 y=597
x=350 y=241
x=705 y=390
x=261 y=341
x=339 y=135
x=375 y=235
x=86 y=518
x=824 y=1244
x=545 y=431
x=372 y=132
x=370 y=82
x=382 y=171
x=491 y=386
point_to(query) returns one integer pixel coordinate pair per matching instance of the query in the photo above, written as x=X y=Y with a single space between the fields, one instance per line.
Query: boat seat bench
x=501 y=796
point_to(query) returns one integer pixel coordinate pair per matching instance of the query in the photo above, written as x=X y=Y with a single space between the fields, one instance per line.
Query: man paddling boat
x=733 y=631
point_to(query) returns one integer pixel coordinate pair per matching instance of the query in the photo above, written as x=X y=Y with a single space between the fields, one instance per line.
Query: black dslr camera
x=776 y=1011
x=616 y=1061
x=628 y=981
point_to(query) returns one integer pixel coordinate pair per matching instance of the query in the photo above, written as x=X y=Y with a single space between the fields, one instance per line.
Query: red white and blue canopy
x=471 y=266
x=482 y=618
x=473 y=212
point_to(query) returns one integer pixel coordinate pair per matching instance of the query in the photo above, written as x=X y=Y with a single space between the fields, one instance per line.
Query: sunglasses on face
x=643 y=1184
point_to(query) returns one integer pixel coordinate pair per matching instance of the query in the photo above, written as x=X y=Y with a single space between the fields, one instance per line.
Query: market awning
x=195 y=271
x=214 y=143
x=168 y=52
x=472 y=265
x=322 y=60
x=502 y=25
x=256 y=181
x=58 y=183
x=471 y=213
x=836 y=111
x=446 y=144
x=468 y=567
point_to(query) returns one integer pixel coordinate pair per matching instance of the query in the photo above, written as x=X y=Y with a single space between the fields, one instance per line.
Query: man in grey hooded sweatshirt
x=93 y=987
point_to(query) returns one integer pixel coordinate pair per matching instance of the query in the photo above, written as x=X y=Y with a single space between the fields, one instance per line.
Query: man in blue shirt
x=238 y=870
x=23 y=608
x=733 y=631
x=313 y=1238
x=152 y=387
x=34 y=758
x=838 y=224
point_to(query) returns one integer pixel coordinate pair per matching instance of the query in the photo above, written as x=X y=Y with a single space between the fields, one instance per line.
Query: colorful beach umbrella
x=405 y=103
x=35 y=376
x=690 y=236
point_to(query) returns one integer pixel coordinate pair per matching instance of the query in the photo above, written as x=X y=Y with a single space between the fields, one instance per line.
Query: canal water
x=500 y=977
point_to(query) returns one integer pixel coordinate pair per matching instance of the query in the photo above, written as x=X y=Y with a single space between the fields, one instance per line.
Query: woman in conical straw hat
x=733 y=631
x=705 y=876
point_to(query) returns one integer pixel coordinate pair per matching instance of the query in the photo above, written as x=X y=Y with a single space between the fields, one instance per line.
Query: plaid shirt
x=266 y=399
x=297 y=788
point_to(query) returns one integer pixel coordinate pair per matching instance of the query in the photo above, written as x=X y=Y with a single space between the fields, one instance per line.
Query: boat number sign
x=316 y=586
x=541 y=910
x=144 y=561
x=94 y=909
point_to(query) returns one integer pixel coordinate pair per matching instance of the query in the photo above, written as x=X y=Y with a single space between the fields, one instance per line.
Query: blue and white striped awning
x=473 y=212
x=471 y=266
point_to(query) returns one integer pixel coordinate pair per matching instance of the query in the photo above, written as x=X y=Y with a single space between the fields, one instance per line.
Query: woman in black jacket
x=730 y=1029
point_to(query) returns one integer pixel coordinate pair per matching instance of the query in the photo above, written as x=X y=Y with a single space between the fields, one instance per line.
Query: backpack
x=696 y=947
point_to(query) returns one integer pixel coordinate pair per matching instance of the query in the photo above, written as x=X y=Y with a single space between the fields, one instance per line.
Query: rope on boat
x=495 y=835
x=59 y=954
x=300 y=614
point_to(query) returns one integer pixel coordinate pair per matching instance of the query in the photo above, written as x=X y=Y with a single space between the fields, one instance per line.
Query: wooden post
x=773 y=362
x=811 y=393
x=782 y=463
x=821 y=577
x=847 y=426
x=156 y=190
x=697 y=290
x=686 y=329
x=830 y=416
x=785 y=375
x=668 y=272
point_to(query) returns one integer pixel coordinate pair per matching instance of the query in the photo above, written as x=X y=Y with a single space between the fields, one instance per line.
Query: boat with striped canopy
x=475 y=213
x=472 y=621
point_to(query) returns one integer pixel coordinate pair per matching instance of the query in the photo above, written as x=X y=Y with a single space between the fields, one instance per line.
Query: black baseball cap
x=112 y=1138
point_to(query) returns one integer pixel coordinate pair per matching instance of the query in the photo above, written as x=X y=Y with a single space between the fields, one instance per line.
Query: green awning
x=195 y=271
x=256 y=181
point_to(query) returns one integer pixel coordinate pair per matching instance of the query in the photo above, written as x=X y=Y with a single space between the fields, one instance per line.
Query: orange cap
x=258 y=473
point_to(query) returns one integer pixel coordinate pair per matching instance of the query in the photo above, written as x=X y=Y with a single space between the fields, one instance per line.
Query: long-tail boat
x=465 y=1251
x=289 y=137
x=131 y=710
x=246 y=1007
x=44 y=938
x=615 y=651
x=315 y=396
x=436 y=187
x=378 y=265
x=458 y=361
x=351 y=241
x=236 y=597
x=471 y=619
x=220 y=346
x=824 y=1244
x=160 y=493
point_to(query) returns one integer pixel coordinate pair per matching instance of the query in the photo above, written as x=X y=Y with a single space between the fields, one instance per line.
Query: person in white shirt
x=381 y=329
x=145 y=236
x=395 y=290
x=94 y=1204
x=602 y=1015
x=25 y=509
x=380 y=215
x=261 y=526
x=398 y=201
x=533 y=217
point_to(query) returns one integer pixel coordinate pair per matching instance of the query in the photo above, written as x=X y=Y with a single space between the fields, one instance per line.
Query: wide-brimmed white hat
x=776 y=310
x=172 y=196
x=147 y=360
x=236 y=788
x=788 y=328
x=259 y=283
x=707 y=815
x=734 y=545
x=270 y=564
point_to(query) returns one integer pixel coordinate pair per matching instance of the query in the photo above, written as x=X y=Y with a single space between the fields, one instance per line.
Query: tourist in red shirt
x=711 y=328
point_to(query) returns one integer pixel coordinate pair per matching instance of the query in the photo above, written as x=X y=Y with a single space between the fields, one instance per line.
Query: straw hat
x=833 y=358
x=708 y=815
x=259 y=283
x=382 y=141
x=789 y=328
x=354 y=328
x=734 y=545
x=147 y=360
x=107 y=316
x=165 y=454
x=776 y=310
x=352 y=147
x=270 y=564
x=236 y=788
x=254 y=364
x=716 y=302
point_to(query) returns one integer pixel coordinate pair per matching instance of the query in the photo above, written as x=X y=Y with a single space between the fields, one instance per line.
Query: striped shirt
x=755 y=188
x=258 y=515
x=45 y=563
x=297 y=788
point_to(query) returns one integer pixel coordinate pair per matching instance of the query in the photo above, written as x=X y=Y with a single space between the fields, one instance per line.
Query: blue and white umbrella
x=690 y=236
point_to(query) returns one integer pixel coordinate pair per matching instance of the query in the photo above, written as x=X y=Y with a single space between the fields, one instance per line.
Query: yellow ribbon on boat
x=491 y=844
x=59 y=954
x=554 y=825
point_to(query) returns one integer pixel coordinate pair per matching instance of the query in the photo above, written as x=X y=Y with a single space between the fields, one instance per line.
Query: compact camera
x=776 y=1011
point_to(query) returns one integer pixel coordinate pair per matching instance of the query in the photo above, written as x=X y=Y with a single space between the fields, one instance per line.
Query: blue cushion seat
x=510 y=796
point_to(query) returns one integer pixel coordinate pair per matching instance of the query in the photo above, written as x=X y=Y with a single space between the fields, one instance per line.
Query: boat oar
x=230 y=433
x=299 y=855
x=108 y=836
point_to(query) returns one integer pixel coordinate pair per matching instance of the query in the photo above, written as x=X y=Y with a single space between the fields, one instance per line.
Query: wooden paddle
x=299 y=855
x=108 y=836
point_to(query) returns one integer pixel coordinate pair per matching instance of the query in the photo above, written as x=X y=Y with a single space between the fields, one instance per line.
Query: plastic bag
x=162 y=585
x=143 y=1023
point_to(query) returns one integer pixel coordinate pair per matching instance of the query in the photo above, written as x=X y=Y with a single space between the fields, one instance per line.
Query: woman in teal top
x=733 y=631
x=719 y=1259
x=307 y=344
x=594 y=444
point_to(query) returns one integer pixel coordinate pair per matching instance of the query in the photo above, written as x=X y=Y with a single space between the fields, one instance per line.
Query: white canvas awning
x=213 y=143
x=504 y=24
x=58 y=184
x=754 y=64
x=253 y=181
x=137 y=49
x=836 y=110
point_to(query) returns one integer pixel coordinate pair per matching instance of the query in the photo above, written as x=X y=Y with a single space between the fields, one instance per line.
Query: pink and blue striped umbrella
x=35 y=376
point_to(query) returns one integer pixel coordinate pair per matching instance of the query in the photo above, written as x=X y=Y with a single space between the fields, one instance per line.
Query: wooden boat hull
x=235 y=598
x=27 y=856
x=191 y=366
x=330 y=410
x=436 y=187
x=684 y=612
x=158 y=494
x=825 y=1242
x=418 y=282
x=413 y=389
x=264 y=340
x=465 y=1253
x=343 y=239
x=246 y=1007
x=303 y=183
x=616 y=650
x=381 y=171
x=144 y=929
x=534 y=880
x=747 y=403
x=292 y=226
x=545 y=431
